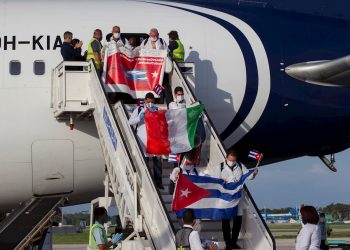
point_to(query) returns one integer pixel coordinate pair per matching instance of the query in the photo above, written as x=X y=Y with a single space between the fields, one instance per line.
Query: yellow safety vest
x=90 y=54
x=179 y=52
x=92 y=241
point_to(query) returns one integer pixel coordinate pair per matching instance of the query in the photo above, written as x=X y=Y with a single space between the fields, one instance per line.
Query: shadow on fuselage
x=206 y=90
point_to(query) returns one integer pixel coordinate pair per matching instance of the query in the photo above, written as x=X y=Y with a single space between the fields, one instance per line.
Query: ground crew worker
x=154 y=41
x=94 y=49
x=324 y=231
x=188 y=238
x=137 y=119
x=98 y=237
x=232 y=171
x=176 y=48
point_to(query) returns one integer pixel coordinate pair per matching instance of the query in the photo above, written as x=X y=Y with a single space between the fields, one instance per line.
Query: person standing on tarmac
x=232 y=171
x=176 y=48
x=94 y=50
x=97 y=236
x=137 y=119
x=324 y=231
x=309 y=237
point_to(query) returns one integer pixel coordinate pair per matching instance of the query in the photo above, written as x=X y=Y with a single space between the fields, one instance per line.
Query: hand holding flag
x=210 y=198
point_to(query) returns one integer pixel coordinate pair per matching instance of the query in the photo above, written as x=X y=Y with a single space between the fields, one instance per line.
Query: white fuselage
x=26 y=116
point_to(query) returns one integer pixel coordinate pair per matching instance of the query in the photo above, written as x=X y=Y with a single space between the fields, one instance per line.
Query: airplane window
x=15 y=67
x=39 y=67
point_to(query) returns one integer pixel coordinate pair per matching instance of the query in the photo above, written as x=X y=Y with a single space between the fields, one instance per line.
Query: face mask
x=188 y=167
x=179 y=98
x=116 y=35
x=150 y=104
x=230 y=163
x=154 y=39
x=322 y=220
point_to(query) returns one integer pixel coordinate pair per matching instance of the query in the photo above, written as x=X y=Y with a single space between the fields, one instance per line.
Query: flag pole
x=258 y=163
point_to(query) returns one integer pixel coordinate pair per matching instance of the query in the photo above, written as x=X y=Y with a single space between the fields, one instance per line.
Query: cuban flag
x=174 y=158
x=140 y=102
x=158 y=89
x=255 y=155
x=210 y=198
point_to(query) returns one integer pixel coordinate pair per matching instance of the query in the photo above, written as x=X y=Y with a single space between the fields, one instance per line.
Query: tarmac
x=285 y=244
x=288 y=244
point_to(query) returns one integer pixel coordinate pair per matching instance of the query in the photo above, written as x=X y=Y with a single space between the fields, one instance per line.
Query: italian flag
x=172 y=131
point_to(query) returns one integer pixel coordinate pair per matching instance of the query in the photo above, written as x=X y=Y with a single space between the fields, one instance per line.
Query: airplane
x=250 y=67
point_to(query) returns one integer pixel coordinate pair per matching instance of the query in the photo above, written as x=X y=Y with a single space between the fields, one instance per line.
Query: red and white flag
x=187 y=193
x=136 y=73
x=172 y=131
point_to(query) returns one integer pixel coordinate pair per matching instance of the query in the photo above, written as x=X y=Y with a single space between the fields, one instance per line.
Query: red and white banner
x=133 y=72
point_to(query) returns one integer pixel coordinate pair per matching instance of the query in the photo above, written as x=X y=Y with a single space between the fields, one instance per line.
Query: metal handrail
x=138 y=149
x=223 y=149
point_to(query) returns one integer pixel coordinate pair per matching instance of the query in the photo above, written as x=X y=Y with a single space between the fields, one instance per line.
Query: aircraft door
x=53 y=167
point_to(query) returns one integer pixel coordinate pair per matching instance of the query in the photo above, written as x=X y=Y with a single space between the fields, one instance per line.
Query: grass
x=71 y=238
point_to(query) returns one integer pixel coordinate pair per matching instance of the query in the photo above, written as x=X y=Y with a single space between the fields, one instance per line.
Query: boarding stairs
x=80 y=94
x=26 y=224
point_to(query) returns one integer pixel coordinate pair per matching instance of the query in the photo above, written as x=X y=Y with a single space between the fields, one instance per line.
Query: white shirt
x=141 y=128
x=232 y=174
x=194 y=239
x=159 y=44
x=176 y=105
x=309 y=238
x=119 y=42
x=187 y=169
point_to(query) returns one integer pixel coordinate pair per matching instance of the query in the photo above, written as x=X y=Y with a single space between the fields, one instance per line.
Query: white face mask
x=230 y=163
x=150 y=104
x=116 y=35
x=154 y=39
x=188 y=167
x=179 y=98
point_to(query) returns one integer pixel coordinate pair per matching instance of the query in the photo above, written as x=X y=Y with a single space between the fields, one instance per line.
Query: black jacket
x=69 y=53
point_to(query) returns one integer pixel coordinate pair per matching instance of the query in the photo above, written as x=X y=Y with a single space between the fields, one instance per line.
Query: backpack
x=172 y=184
x=160 y=39
x=182 y=238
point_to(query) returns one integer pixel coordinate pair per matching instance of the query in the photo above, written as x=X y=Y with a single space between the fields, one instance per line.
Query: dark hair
x=75 y=41
x=231 y=152
x=189 y=216
x=108 y=37
x=97 y=31
x=309 y=215
x=66 y=34
x=173 y=35
x=149 y=95
x=99 y=211
x=178 y=89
